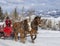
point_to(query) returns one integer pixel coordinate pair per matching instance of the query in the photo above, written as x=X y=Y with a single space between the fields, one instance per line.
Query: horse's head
x=42 y=22
x=37 y=20
x=25 y=21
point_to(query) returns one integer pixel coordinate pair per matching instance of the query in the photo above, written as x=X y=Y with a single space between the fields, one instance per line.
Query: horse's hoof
x=32 y=41
x=23 y=42
x=16 y=40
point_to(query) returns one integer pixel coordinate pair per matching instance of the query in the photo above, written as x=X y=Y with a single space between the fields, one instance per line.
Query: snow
x=58 y=18
x=54 y=21
x=2 y=23
x=44 y=38
x=51 y=18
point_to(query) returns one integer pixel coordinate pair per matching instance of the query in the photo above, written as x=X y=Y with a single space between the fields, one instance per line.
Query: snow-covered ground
x=44 y=38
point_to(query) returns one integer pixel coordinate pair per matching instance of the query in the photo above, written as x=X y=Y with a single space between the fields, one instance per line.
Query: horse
x=20 y=27
x=23 y=28
x=34 y=25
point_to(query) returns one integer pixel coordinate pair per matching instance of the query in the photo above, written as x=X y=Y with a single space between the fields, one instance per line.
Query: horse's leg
x=33 y=37
x=16 y=36
x=22 y=37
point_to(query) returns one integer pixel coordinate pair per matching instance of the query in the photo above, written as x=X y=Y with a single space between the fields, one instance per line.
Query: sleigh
x=5 y=31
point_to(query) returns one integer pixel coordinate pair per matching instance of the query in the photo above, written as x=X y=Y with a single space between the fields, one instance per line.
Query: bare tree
x=30 y=12
x=15 y=14
x=54 y=25
x=59 y=25
x=49 y=24
x=6 y=14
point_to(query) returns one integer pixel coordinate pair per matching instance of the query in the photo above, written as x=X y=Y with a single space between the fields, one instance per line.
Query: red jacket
x=8 y=28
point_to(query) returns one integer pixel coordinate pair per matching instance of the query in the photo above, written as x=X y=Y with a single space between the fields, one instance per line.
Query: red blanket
x=7 y=31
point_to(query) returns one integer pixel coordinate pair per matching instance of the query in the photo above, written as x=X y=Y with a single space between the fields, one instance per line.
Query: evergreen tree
x=1 y=15
x=15 y=14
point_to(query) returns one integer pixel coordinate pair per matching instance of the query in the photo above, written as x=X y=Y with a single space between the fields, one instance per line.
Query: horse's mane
x=34 y=23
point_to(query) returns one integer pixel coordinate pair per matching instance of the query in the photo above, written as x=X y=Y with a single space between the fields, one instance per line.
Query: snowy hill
x=44 y=38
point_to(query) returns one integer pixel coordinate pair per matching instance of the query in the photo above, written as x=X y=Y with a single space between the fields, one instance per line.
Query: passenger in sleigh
x=8 y=22
x=8 y=28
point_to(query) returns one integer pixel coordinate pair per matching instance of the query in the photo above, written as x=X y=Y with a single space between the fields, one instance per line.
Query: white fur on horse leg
x=18 y=34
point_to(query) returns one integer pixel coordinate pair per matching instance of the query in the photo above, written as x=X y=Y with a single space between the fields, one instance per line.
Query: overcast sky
x=8 y=5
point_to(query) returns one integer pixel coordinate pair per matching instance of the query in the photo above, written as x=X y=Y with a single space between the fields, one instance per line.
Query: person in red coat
x=8 y=28
x=8 y=22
